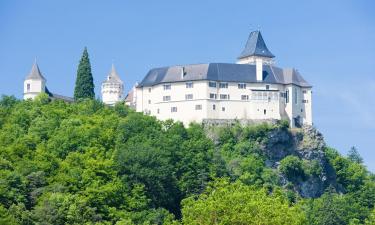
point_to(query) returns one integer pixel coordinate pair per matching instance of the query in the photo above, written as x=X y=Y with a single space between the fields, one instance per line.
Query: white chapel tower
x=112 y=88
x=34 y=83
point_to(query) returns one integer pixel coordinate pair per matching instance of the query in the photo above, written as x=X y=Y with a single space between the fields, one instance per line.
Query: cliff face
x=276 y=143
x=308 y=145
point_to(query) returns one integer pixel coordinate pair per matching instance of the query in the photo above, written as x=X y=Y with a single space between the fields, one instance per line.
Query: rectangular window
x=188 y=96
x=223 y=109
x=198 y=107
x=287 y=96
x=305 y=101
x=224 y=96
x=149 y=101
x=244 y=97
x=212 y=84
x=264 y=112
x=223 y=85
x=166 y=98
x=149 y=90
x=174 y=109
x=213 y=96
x=189 y=85
x=28 y=87
x=158 y=111
x=167 y=87
x=304 y=91
x=214 y=107
x=241 y=86
x=295 y=96
x=267 y=87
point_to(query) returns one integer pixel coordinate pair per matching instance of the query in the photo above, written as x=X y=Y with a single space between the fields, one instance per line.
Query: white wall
x=150 y=101
x=36 y=87
x=112 y=93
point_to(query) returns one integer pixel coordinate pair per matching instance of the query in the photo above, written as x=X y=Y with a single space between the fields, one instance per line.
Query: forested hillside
x=86 y=163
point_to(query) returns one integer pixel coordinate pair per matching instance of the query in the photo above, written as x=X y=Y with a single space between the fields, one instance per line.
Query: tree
x=84 y=83
x=236 y=203
x=354 y=155
x=292 y=168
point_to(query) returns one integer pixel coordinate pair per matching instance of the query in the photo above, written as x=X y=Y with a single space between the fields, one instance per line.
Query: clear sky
x=331 y=43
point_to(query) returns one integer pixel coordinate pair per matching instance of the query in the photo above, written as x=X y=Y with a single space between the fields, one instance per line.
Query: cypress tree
x=84 y=83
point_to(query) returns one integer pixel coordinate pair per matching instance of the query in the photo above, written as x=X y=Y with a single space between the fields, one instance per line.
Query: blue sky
x=332 y=43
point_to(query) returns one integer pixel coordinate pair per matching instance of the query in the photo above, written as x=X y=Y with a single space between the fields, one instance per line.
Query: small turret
x=112 y=88
x=34 y=83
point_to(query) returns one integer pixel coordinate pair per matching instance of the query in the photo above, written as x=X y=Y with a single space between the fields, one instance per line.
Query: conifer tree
x=84 y=83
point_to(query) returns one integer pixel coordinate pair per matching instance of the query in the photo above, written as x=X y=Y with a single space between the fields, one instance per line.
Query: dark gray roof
x=226 y=72
x=255 y=46
x=56 y=96
x=35 y=73
x=113 y=77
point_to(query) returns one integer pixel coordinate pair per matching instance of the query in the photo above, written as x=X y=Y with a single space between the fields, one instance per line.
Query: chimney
x=183 y=72
x=259 y=69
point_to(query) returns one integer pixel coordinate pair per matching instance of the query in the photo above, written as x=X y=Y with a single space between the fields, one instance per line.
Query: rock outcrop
x=308 y=145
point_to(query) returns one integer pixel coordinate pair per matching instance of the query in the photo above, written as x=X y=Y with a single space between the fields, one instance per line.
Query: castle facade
x=251 y=89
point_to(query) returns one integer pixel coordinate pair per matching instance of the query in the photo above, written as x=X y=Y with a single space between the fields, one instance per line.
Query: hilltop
x=87 y=163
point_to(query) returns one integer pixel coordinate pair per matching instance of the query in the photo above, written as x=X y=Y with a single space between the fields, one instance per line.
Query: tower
x=256 y=53
x=112 y=88
x=34 y=83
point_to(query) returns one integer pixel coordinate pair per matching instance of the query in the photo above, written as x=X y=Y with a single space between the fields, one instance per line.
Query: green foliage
x=354 y=156
x=84 y=88
x=334 y=209
x=292 y=168
x=86 y=163
x=236 y=203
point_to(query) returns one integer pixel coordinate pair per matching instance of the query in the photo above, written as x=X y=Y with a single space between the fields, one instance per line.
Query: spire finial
x=113 y=65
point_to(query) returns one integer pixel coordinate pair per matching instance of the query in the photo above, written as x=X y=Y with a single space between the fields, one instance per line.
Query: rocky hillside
x=87 y=163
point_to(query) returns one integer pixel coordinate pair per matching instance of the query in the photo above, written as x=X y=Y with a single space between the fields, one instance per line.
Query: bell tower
x=34 y=83
x=256 y=53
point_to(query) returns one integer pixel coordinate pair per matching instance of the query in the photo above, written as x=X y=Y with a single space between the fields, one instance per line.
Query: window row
x=212 y=84
x=256 y=95
x=265 y=95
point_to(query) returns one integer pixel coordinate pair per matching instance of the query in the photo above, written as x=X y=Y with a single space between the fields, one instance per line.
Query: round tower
x=34 y=83
x=112 y=88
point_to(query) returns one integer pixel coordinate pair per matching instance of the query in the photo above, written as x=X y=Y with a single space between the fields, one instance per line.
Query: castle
x=252 y=89
x=112 y=88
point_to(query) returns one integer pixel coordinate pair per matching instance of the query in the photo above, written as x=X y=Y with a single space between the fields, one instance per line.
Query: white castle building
x=112 y=88
x=252 y=89
x=34 y=84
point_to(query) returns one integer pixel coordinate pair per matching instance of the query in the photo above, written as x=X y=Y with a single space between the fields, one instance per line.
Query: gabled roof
x=113 y=77
x=223 y=72
x=255 y=46
x=35 y=73
x=56 y=96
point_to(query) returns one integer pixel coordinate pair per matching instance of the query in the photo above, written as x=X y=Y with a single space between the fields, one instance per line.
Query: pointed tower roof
x=113 y=77
x=35 y=73
x=255 y=46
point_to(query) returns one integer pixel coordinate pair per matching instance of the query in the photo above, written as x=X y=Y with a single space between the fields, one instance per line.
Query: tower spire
x=255 y=46
x=35 y=72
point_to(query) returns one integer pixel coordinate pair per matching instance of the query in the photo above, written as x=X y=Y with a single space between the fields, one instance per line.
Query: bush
x=292 y=168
